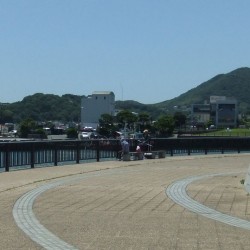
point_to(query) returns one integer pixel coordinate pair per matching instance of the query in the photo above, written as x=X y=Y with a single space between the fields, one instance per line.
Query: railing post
x=117 y=146
x=7 y=158
x=55 y=155
x=171 y=152
x=32 y=155
x=77 y=152
x=97 y=150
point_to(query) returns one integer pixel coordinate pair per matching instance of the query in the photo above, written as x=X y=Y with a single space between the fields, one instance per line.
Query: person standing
x=146 y=141
x=146 y=136
x=124 y=150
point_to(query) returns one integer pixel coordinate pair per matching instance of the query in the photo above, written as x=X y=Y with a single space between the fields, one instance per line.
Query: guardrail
x=46 y=153
x=32 y=154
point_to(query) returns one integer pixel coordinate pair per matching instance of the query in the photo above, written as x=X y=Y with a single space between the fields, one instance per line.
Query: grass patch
x=238 y=132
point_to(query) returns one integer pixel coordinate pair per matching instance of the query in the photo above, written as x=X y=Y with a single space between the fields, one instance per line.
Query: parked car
x=84 y=135
x=13 y=133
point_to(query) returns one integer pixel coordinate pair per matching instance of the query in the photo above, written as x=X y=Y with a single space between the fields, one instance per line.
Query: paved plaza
x=184 y=202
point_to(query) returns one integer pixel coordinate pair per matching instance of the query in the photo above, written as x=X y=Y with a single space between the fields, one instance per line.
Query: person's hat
x=145 y=131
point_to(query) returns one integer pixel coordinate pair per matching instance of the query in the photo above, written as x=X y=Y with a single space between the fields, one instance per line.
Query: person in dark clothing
x=146 y=143
x=146 y=136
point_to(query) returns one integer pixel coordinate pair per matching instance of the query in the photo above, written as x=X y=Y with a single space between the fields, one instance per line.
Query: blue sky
x=143 y=50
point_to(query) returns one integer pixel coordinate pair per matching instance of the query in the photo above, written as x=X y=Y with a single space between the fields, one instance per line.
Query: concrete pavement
x=124 y=205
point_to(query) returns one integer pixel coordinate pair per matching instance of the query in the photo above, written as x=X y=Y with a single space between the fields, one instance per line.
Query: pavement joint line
x=177 y=191
x=27 y=222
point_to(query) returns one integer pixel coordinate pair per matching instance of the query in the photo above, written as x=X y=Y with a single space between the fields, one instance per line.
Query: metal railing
x=30 y=154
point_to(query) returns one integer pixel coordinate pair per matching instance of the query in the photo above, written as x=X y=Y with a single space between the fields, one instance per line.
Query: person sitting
x=138 y=148
x=138 y=151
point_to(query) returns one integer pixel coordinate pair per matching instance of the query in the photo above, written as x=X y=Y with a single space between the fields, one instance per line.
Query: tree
x=165 y=125
x=143 y=121
x=106 y=125
x=179 y=119
x=27 y=126
x=125 y=117
x=143 y=118
x=106 y=119
x=7 y=116
x=72 y=133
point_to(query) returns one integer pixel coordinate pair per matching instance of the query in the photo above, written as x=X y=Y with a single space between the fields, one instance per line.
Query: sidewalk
x=123 y=205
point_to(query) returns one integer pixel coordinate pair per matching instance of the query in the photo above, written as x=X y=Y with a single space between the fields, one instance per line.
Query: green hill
x=43 y=107
x=234 y=84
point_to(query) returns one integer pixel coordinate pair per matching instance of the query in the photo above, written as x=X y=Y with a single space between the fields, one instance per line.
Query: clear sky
x=143 y=50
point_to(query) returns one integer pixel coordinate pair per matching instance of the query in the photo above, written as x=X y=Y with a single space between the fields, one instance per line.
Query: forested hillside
x=46 y=107
x=234 y=84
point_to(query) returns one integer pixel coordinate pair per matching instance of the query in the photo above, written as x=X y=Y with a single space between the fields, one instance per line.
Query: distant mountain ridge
x=233 y=84
x=67 y=107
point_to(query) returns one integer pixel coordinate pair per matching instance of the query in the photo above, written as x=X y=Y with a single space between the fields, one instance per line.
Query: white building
x=93 y=106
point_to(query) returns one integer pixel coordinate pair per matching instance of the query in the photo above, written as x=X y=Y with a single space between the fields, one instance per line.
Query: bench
x=126 y=157
x=134 y=156
x=155 y=154
x=161 y=154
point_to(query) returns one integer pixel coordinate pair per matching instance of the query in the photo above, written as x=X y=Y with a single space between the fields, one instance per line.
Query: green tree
x=126 y=117
x=179 y=119
x=106 y=119
x=7 y=116
x=165 y=125
x=143 y=121
x=41 y=132
x=106 y=125
x=144 y=118
x=27 y=126
x=72 y=133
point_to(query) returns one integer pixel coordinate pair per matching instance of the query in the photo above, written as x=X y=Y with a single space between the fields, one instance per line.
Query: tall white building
x=93 y=106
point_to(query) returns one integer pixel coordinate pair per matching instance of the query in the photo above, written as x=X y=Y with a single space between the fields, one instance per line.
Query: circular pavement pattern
x=26 y=220
x=177 y=192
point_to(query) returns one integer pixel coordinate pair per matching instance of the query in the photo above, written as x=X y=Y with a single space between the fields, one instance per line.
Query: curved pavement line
x=177 y=192
x=27 y=222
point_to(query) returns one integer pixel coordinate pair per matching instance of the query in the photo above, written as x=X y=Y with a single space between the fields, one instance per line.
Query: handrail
x=49 y=152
